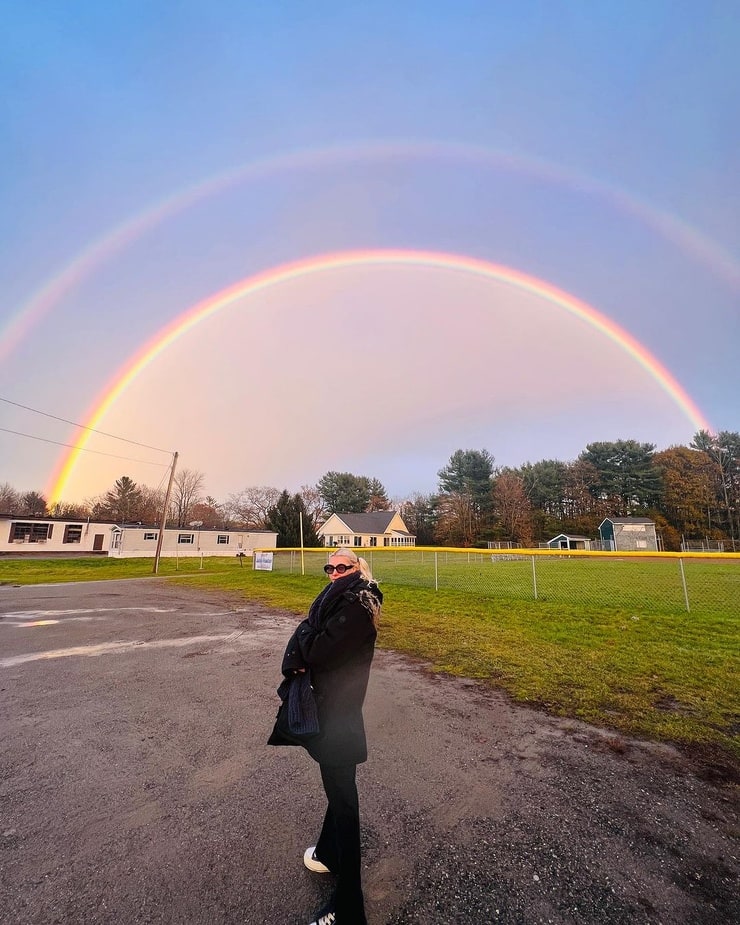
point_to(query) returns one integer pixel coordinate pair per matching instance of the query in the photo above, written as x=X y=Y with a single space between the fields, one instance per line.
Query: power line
x=83 y=427
x=147 y=462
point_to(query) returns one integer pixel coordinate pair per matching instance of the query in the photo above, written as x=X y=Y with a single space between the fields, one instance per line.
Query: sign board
x=263 y=561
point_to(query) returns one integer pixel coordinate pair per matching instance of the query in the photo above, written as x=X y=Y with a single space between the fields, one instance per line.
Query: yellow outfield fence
x=635 y=581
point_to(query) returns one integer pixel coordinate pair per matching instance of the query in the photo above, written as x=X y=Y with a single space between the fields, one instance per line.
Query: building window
x=151 y=536
x=373 y=541
x=358 y=541
x=72 y=533
x=30 y=532
x=222 y=539
x=185 y=539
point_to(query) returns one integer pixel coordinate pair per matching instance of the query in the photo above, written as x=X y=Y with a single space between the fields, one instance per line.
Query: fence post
x=534 y=578
x=436 y=573
x=685 y=589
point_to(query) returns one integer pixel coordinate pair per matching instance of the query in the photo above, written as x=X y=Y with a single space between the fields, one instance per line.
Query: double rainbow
x=325 y=263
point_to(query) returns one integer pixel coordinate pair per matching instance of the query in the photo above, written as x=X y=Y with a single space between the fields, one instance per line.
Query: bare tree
x=69 y=510
x=209 y=512
x=313 y=503
x=458 y=520
x=10 y=499
x=249 y=507
x=152 y=502
x=186 y=491
x=420 y=513
x=513 y=508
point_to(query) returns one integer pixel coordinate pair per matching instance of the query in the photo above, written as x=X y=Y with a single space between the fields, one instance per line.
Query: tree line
x=691 y=492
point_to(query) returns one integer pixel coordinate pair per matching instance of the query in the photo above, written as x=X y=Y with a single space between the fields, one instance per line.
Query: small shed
x=569 y=541
x=628 y=534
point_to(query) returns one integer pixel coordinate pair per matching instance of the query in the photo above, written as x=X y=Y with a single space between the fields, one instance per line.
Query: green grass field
x=655 y=671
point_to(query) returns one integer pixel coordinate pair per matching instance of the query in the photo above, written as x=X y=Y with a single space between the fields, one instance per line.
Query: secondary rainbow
x=697 y=245
x=324 y=263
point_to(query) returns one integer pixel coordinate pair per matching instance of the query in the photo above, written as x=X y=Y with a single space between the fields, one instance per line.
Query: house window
x=72 y=533
x=185 y=539
x=373 y=541
x=358 y=541
x=151 y=536
x=386 y=541
x=30 y=533
x=222 y=539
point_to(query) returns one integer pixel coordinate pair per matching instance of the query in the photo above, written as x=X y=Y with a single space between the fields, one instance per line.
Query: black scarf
x=330 y=593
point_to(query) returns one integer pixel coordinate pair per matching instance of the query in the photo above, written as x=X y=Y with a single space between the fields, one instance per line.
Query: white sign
x=263 y=561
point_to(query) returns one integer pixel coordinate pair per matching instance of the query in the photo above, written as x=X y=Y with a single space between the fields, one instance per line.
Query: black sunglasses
x=337 y=568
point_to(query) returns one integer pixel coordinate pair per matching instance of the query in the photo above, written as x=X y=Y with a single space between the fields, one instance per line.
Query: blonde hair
x=348 y=553
x=368 y=599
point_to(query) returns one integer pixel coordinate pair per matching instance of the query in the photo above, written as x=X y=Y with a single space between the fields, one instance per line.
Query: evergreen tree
x=284 y=517
x=33 y=502
x=465 y=500
x=123 y=501
x=345 y=493
x=627 y=475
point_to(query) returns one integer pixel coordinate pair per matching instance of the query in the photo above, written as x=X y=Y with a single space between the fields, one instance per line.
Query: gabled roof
x=569 y=536
x=373 y=522
x=628 y=520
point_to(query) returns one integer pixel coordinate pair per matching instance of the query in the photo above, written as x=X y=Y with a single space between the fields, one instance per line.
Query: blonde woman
x=334 y=648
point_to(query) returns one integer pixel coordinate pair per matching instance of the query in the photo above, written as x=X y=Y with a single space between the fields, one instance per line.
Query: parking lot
x=136 y=785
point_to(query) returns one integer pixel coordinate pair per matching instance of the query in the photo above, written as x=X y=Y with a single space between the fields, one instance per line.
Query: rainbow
x=325 y=263
x=696 y=244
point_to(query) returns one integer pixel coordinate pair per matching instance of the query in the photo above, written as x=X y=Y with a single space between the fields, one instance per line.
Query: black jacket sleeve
x=293 y=661
x=340 y=636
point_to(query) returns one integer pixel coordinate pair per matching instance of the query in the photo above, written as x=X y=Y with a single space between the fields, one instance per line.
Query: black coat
x=338 y=652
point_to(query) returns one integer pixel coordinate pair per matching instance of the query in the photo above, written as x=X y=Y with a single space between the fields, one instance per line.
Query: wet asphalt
x=136 y=785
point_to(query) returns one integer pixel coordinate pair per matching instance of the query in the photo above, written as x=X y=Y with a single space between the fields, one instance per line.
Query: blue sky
x=612 y=131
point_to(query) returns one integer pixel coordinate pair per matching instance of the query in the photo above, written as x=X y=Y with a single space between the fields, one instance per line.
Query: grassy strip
x=92 y=568
x=669 y=677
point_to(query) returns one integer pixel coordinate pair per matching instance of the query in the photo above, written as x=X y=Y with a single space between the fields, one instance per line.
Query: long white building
x=20 y=535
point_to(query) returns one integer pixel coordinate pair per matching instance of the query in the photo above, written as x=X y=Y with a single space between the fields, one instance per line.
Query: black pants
x=339 y=843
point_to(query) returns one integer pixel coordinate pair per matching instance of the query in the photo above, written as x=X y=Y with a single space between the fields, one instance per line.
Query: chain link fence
x=658 y=582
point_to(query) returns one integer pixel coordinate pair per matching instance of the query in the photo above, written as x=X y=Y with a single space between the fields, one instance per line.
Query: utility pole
x=163 y=522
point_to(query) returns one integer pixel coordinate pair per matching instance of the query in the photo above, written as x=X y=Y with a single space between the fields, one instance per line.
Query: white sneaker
x=325 y=917
x=314 y=864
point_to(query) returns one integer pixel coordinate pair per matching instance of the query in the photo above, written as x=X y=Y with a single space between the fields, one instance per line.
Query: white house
x=377 y=528
x=21 y=535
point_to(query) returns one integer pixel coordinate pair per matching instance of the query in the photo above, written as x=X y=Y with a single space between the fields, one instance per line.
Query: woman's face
x=335 y=561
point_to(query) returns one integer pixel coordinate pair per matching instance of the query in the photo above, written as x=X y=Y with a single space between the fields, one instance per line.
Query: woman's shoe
x=314 y=864
x=327 y=916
